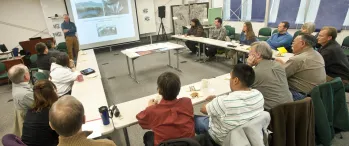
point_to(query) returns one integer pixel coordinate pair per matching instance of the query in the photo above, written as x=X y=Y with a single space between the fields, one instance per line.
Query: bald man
x=66 y=118
x=22 y=94
x=69 y=30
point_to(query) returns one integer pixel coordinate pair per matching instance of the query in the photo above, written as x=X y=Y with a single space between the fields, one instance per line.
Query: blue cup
x=103 y=111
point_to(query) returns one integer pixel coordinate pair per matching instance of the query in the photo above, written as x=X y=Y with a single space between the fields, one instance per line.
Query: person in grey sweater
x=218 y=33
x=271 y=79
x=22 y=94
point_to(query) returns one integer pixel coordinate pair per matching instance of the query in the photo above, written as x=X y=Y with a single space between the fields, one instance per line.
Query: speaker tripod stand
x=163 y=34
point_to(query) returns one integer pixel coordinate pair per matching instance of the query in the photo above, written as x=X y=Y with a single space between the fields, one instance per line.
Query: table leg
x=134 y=70
x=151 y=39
x=243 y=58
x=204 y=46
x=126 y=136
x=177 y=52
x=199 y=53
x=128 y=66
x=169 y=58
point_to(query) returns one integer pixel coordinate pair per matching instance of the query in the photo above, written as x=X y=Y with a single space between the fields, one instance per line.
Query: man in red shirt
x=171 y=118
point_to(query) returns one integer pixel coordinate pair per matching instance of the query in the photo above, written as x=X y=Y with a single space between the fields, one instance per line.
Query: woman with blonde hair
x=247 y=36
x=36 y=128
x=308 y=28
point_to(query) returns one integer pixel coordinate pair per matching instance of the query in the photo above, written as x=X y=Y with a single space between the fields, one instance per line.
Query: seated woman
x=63 y=75
x=247 y=36
x=309 y=28
x=196 y=30
x=36 y=129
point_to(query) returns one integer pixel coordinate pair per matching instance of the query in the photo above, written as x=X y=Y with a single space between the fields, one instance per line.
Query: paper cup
x=204 y=83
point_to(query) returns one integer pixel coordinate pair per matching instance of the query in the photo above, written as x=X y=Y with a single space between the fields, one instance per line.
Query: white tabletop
x=214 y=42
x=224 y=44
x=132 y=52
x=205 y=27
x=129 y=110
x=7 y=52
x=91 y=94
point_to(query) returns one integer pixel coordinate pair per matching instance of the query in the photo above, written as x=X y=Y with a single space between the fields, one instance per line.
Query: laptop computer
x=36 y=38
x=3 y=48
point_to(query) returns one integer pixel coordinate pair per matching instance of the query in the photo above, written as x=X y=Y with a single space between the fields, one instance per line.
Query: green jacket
x=62 y=47
x=330 y=110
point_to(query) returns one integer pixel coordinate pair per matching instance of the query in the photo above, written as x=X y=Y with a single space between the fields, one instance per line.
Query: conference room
x=174 y=72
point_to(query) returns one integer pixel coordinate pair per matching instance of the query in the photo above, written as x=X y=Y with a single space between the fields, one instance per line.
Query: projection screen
x=104 y=22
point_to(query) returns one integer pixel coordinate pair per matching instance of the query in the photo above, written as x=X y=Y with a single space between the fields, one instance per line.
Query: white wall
x=26 y=13
x=217 y=3
x=144 y=25
x=168 y=19
x=49 y=9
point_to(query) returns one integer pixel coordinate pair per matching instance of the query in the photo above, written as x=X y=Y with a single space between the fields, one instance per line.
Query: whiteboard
x=146 y=16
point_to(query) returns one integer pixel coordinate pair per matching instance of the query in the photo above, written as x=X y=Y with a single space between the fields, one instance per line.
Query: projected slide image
x=106 y=30
x=89 y=8
x=115 y=7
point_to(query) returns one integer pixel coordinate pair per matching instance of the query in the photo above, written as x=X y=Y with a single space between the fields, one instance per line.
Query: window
x=286 y=10
x=328 y=13
x=244 y=10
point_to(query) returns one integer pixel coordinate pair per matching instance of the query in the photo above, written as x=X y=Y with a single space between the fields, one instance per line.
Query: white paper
x=228 y=43
x=93 y=126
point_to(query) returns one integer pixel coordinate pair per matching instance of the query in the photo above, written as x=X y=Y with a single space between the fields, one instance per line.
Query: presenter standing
x=71 y=40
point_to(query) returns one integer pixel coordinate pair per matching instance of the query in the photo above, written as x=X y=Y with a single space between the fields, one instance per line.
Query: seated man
x=66 y=117
x=227 y=112
x=218 y=33
x=282 y=38
x=44 y=57
x=196 y=30
x=336 y=62
x=271 y=78
x=51 y=46
x=170 y=118
x=22 y=94
x=306 y=69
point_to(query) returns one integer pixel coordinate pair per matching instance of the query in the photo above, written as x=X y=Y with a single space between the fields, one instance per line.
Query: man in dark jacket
x=44 y=56
x=336 y=63
x=196 y=30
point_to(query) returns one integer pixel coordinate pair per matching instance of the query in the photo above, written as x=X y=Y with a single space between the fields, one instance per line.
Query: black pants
x=192 y=46
x=211 y=50
x=148 y=138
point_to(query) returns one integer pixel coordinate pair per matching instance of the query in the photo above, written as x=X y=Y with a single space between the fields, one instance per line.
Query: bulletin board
x=185 y=13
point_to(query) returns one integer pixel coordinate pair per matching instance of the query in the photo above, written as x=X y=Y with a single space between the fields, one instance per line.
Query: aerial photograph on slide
x=115 y=7
x=106 y=29
x=89 y=8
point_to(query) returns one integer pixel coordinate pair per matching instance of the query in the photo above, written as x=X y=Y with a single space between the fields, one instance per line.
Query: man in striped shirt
x=227 y=112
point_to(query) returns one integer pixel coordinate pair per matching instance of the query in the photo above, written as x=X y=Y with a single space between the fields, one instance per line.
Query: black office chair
x=180 y=142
